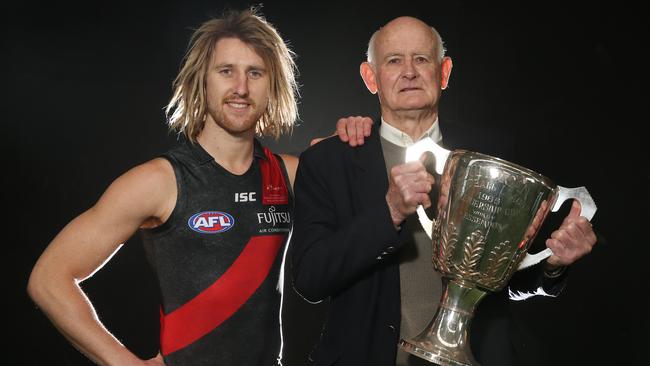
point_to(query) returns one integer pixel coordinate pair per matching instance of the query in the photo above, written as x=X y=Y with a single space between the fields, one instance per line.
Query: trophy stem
x=445 y=341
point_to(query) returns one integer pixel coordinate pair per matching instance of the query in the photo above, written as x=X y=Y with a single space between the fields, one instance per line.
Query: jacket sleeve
x=333 y=247
x=534 y=281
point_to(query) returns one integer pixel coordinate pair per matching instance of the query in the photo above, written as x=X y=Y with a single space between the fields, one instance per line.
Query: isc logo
x=211 y=222
x=245 y=197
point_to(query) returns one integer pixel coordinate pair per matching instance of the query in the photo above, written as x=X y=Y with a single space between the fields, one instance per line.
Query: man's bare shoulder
x=153 y=172
x=148 y=181
x=291 y=164
x=145 y=191
x=289 y=160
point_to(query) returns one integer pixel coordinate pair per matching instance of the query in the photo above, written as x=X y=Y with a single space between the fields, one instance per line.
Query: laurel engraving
x=447 y=243
x=472 y=251
x=498 y=260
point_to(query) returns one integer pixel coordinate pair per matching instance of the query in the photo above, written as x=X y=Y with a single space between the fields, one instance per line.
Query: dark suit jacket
x=344 y=246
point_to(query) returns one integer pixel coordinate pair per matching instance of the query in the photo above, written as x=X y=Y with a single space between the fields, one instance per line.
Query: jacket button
x=390 y=249
x=392 y=328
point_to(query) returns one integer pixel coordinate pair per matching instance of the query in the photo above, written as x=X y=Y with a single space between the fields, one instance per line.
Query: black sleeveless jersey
x=218 y=260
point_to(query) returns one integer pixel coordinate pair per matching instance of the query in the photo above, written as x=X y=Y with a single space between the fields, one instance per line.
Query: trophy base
x=445 y=341
x=413 y=348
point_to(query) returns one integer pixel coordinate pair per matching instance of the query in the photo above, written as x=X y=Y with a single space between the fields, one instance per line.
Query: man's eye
x=256 y=74
x=393 y=61
x=421 y=59
x=225 y=72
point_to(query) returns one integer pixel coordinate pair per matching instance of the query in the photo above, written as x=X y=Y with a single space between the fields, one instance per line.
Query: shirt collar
x=204 y=157
x=258 y=150
x=399 y=138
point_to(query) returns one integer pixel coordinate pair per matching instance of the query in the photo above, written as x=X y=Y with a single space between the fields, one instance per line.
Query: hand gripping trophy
x=489 y=211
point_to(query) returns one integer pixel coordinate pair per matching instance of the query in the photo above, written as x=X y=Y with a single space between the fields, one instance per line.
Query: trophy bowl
x=489 y=211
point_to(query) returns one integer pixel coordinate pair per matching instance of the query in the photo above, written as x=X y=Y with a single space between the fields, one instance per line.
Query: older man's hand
x=574 y=239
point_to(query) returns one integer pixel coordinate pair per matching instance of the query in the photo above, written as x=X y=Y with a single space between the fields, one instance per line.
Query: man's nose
x=409 y=71
x=241 y=85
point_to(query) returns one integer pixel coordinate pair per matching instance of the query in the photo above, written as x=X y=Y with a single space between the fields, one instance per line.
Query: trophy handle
x=587 y=204
x=416 y=150
x=587 y=209
x=425 y=221
x=441 y=154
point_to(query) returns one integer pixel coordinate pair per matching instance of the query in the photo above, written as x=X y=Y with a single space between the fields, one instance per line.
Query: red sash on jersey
x=223 y=298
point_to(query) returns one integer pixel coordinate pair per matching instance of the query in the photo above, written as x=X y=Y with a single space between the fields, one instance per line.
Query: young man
x=215 y=212
x=356 y=240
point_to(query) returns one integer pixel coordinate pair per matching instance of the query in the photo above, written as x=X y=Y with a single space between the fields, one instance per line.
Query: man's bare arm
x=143 y=196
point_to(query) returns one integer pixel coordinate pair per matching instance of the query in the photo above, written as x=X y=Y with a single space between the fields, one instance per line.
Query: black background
x=86 y=84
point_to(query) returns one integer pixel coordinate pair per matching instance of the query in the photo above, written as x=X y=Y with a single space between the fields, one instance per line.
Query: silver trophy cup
x=489 y=211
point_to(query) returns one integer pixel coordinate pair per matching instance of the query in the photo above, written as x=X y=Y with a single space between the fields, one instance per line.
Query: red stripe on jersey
x=274 y=188
x=223 y=298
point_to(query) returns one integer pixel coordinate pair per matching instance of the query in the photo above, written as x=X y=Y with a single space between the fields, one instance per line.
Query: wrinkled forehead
x=405 y=39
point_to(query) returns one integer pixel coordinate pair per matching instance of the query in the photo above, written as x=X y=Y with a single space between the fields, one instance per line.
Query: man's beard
x=221 y=118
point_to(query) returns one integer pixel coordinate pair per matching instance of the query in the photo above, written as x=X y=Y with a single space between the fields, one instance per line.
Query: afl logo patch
x=211 y=222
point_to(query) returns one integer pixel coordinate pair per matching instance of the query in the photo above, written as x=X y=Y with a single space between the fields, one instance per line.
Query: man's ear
x=445 y=72
x=368 y=76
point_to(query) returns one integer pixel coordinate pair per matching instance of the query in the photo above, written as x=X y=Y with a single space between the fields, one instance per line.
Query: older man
x=356 y=241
